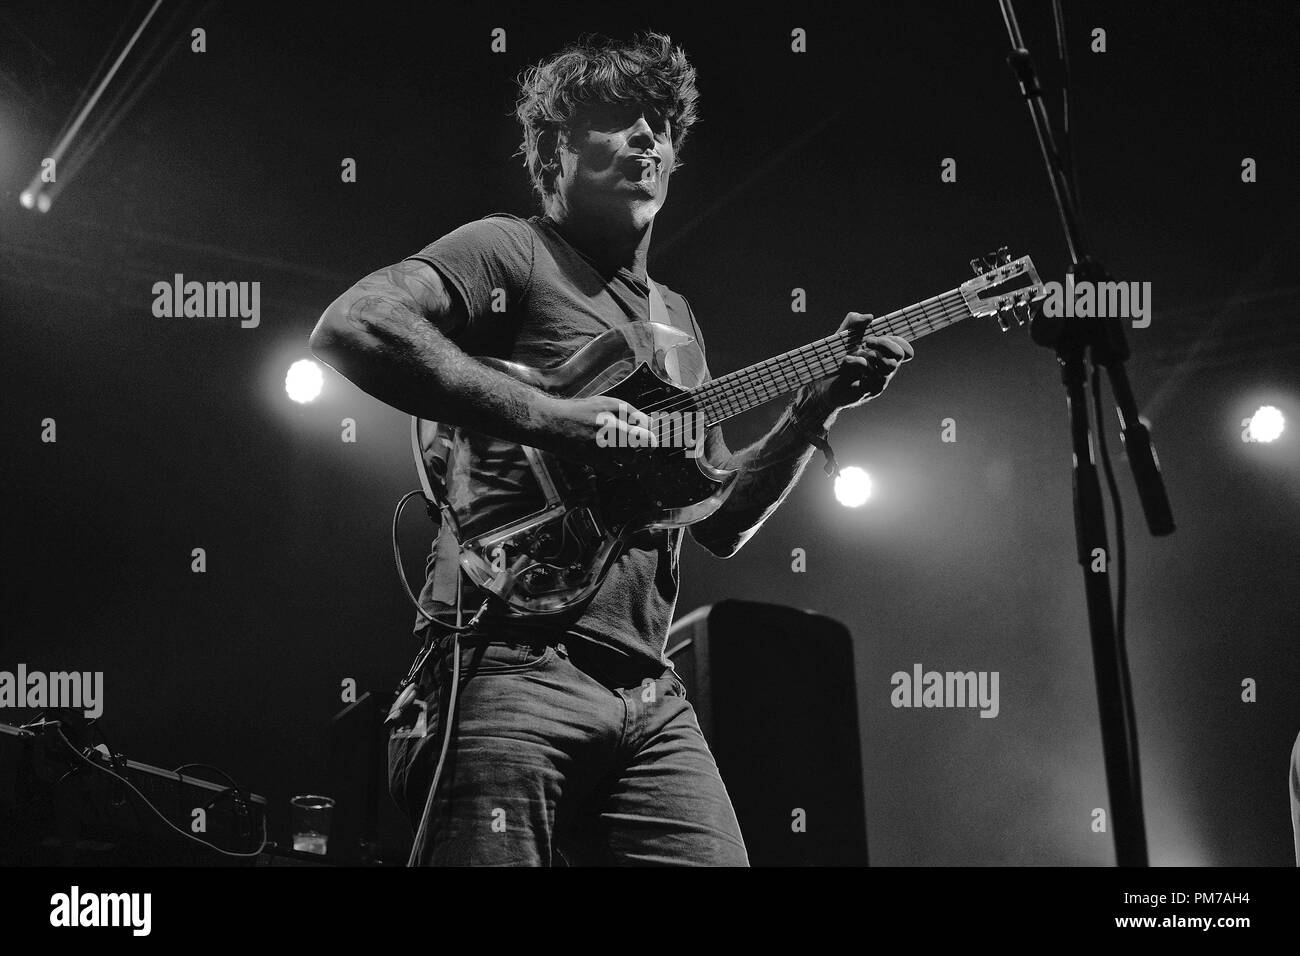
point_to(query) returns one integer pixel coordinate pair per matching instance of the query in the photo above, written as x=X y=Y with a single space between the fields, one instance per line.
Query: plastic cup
x=311 y=823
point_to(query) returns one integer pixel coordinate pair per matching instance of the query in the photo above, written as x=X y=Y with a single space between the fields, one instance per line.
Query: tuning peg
x=1003 y=257
x=977 y=266
x=1004 y=318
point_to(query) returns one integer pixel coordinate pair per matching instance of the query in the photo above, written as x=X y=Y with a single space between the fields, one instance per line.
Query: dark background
x=818 y=171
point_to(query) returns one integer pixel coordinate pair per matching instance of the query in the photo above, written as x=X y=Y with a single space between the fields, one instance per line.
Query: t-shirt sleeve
x=489 y=262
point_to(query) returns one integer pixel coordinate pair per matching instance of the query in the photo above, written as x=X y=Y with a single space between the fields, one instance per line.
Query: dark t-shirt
x=533 y=298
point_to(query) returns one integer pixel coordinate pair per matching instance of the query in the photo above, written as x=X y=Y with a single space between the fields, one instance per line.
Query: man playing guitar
x=570 y=741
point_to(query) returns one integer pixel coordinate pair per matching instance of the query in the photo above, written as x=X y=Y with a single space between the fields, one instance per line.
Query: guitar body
x=555 y=558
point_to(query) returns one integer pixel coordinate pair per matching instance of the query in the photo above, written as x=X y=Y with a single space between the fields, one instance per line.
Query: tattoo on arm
x=400 y=293
x=364 y=309
x=405 y=356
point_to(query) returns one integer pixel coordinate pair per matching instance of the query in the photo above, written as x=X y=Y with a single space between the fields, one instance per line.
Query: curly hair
x=649 y=70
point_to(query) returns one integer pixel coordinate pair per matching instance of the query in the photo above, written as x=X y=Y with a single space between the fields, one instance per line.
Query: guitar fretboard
x=747 y=388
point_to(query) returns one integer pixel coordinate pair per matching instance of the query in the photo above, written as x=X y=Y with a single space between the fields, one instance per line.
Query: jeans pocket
x=675 y=685
x=498 y=658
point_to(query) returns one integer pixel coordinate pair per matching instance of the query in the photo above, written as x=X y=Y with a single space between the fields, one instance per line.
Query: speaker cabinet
x=773 y=688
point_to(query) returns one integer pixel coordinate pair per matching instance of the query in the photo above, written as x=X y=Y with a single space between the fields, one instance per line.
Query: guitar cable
x=265 y=841
x=1121 y=559
x=406 y=689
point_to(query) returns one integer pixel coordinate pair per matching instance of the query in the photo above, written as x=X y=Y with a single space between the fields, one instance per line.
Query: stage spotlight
x=852 y=487
x=28 y=199
x=304 y=381
x=1266 y=424
x=43 y=202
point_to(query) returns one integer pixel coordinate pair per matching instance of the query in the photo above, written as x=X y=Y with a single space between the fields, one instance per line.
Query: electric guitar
x=551 y=560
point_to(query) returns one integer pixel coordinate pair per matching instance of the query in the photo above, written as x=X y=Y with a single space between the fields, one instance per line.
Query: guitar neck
x=738 y=392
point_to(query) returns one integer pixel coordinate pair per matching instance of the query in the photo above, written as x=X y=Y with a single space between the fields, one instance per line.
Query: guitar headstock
x=1003 y=287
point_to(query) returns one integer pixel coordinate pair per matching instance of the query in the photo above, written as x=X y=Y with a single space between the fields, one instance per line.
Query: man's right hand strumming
x=598 y=431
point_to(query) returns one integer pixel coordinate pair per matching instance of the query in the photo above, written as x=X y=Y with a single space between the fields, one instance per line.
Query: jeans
x=561 y=755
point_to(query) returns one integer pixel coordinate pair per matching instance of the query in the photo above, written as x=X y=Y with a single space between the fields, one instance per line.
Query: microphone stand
x=1102 y=342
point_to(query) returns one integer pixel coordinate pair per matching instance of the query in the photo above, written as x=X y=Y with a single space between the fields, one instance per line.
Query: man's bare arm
x=769 y=470
x=771 y=467
x=388 y=335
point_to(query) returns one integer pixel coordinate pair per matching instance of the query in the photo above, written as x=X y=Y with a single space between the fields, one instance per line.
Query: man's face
x=617 y=163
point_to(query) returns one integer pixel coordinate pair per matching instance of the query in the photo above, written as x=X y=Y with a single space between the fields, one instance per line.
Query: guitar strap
x=659 y=313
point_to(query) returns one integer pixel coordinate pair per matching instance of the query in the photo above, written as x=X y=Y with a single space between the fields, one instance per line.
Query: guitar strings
x=752 y=382
x=821 y=358
x=933 y=322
